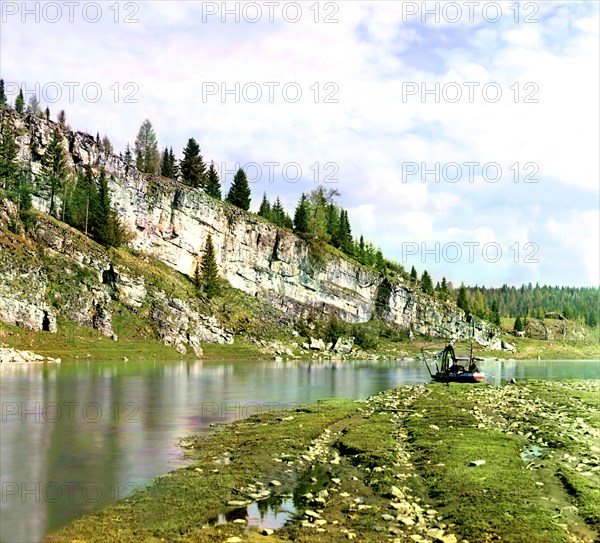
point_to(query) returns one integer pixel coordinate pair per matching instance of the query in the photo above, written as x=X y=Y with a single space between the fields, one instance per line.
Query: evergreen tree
x=62 y=118
x=174 y=165
x=167 y=166
x=333 y=224
x=47 y=113
x=345 y=234
x=318 y=200
x=193 y=170
x=414 y=278
x=239 y=192
x=379 y=261
x=495 y=314
x=9 y=167
x=33 y=106
x=107 y=146
x=54 y=169
x=107 y=228
x=213 y=185
x=128 y=159
x=444 y=292
x=265 y=208
x=3 y=101
x=427 y=283
x=462 y=301
x=20 y=102
x=83 y=206
x=98 y=140
x=210 y=283
x=279 y=215
x=518 y=326
x=147 y=158
x=301 y=215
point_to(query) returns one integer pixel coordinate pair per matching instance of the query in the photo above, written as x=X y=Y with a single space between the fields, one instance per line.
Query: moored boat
x=449 y=369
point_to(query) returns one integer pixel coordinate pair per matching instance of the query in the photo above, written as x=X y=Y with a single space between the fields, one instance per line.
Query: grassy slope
x=396 y=465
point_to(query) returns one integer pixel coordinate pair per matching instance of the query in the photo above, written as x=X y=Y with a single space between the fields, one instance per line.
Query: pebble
x=267 y=531
x=274 y=482
x=313 y=514
x=387 y=517
x=239 y=521
x=476 y=463
x=234 y=539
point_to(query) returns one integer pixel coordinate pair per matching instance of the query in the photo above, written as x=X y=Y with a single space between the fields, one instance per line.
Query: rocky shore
x=17 y=356
x=424 y=464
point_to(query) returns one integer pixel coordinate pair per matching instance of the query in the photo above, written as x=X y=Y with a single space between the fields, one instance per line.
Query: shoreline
x=396 y=465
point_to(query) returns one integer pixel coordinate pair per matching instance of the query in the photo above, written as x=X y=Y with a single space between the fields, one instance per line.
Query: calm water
x=75 y=437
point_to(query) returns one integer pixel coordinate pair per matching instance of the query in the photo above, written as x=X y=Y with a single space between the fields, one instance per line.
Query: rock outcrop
x=172 y=221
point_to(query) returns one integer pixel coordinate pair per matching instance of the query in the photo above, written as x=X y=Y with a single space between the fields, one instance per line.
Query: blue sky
x=361 y=118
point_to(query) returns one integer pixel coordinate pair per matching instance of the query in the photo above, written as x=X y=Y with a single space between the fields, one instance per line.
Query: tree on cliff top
x=147 y=157
x=462 y=300
x=427 y=283
x=213 y=185
x=239 y=192
x=20 y=102
x=193 y=169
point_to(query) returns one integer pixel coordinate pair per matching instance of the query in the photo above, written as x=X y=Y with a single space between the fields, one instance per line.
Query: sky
x=462 y=137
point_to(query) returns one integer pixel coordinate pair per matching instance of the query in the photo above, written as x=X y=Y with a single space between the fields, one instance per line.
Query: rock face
x=172 y=222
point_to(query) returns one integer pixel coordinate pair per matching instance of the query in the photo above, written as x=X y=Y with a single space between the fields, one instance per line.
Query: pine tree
x=54 y=169
x=479 y=306
x=20 y=102
x=414 y=278
x=213 y=185
x=495 y=314
x=62 y=118
x=265 y=208
x=345 y=233
x=210 y=283
x=83 y=205
x=173 y=163
x=166 y=165
x=107 y=146
x=9 y=167
x=427 y=283
x=3 y=101
x=193 y=170
x=462 y=301
x=128 y=159
x=147 y=158
x=444 y=292
x=239 y=192
x=47 y=113
x=518 y=326
x=98 y=140
x=33 y=106
x=301 y=216
x=107 y=228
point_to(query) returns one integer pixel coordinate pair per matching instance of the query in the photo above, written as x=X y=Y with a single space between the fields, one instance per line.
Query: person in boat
x=473 y=367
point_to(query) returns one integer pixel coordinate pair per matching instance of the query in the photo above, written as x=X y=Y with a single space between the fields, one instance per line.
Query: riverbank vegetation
x=516 y=463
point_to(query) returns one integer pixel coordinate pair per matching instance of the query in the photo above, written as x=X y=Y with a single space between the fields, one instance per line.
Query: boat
x=450 y=369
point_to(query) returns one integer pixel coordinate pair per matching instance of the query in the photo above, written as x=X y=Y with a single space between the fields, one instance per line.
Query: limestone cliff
x=171 y=222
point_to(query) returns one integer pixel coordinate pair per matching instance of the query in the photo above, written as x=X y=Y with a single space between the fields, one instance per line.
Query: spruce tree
x=414 y=278
x=83 y=205
x=173 y=164
x=47 y=113
x=147 y=157
x=495 y=313
x=3 y=101
x=518 y=326
x=462 y=301
x=128 y=159
x=107 y=146
x=239 y=192
x=301 y=215
x=427 y=283
x=209 y=271
x=265 y=208
x=213 y=185
x=20 y=102
x=9 y=167
x=166 y=165
x=444 y=292
x=193 y=170
x=62 y=118
x=54 y=169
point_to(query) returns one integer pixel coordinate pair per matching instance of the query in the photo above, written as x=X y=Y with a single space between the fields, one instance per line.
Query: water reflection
x=76 y=437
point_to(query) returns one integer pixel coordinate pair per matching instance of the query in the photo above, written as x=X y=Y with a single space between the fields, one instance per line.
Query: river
x=77 y=436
